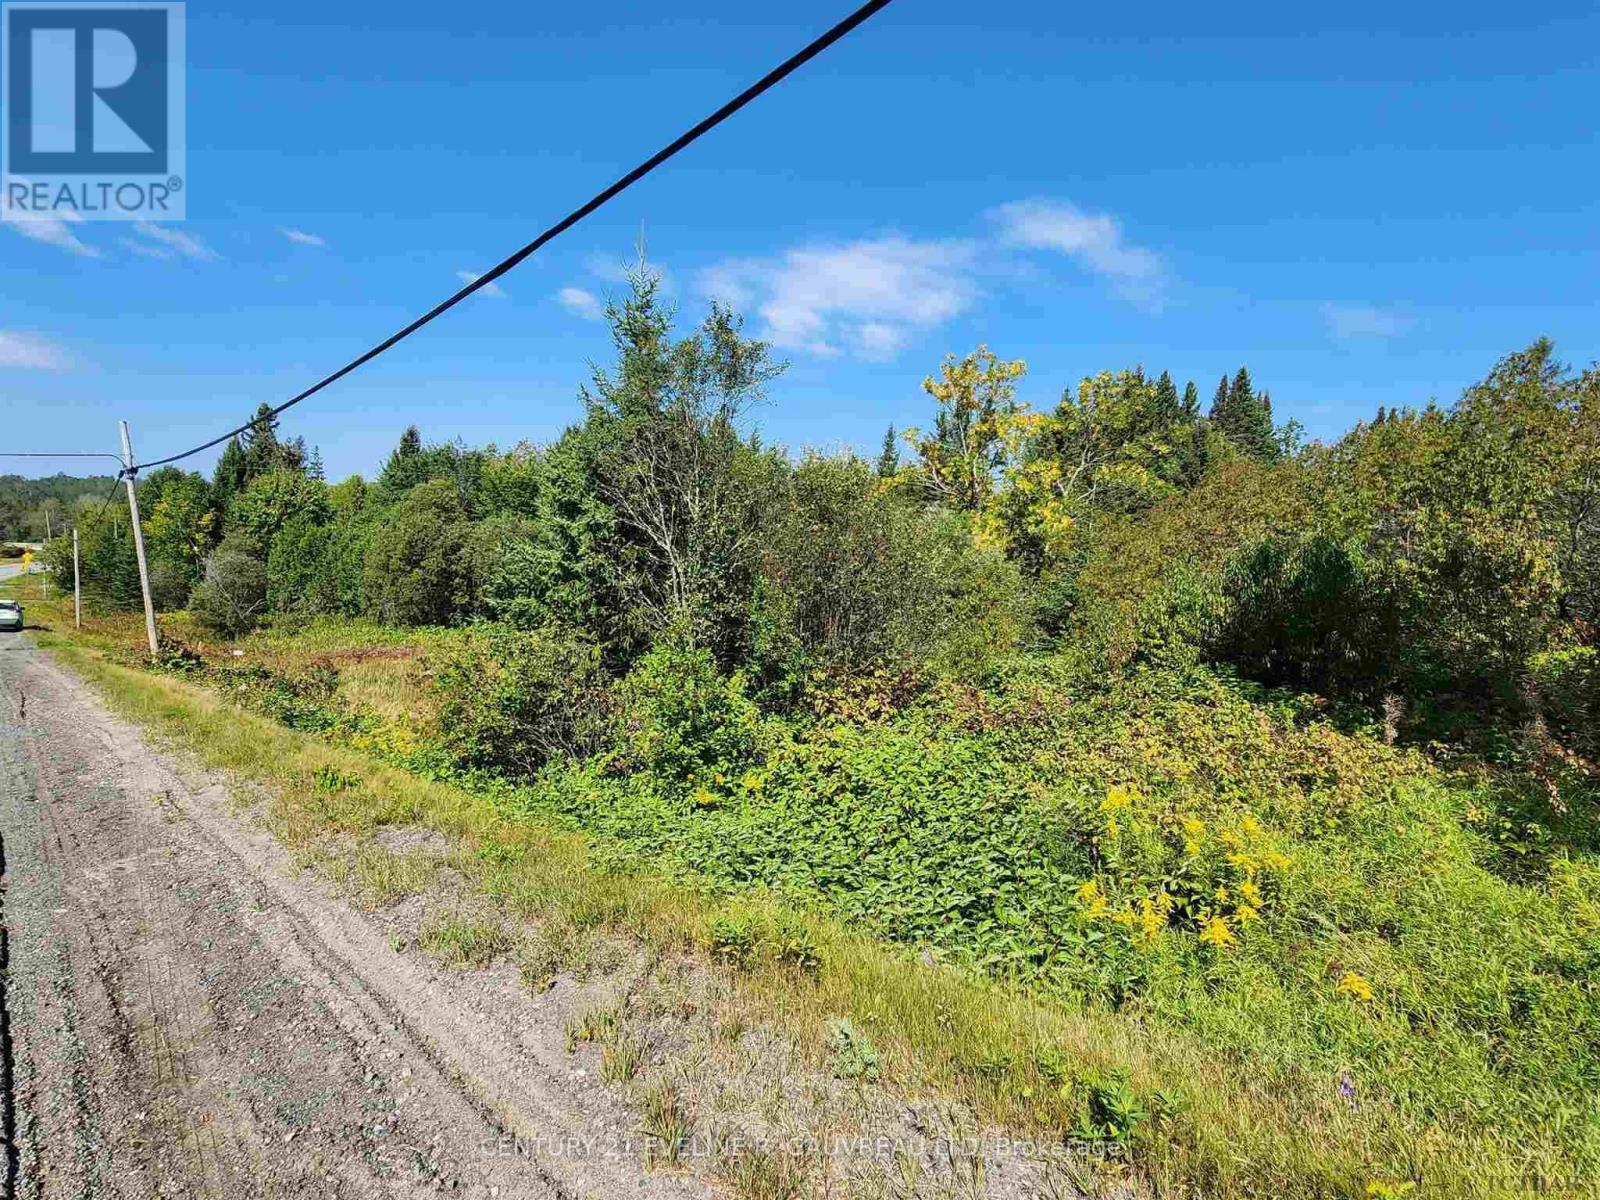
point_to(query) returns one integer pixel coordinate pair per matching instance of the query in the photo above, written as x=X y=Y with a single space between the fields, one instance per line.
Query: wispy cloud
x=174 y=241
x=1094 y=240
x=1359 y=321
x=27 y=351
x=301 y=238
x=868 y=297
x=490 y=289
x=581 y=303
x=56 y=231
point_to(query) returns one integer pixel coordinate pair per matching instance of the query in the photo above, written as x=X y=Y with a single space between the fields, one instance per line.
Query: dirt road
x=185 y=1016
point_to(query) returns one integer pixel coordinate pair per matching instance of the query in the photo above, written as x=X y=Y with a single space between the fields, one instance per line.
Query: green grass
x=1221 y=1068
x=461 y=942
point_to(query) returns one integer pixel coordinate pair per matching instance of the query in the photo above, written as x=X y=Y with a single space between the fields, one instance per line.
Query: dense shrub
x=683 y=721
x=1313 y=612
x=513 y=700
x=170 y=585
x=271 y=501
x=1566 y=685
x=415 y=570
x=495 y=567
x=298 y=576
x=232 y=597
x=109 y=568
x=854 y=576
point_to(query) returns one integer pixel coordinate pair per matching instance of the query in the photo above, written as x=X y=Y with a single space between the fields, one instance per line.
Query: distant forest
x=29 y=508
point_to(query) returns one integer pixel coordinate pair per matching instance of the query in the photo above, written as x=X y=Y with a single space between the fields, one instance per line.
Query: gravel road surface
x=183 y=1015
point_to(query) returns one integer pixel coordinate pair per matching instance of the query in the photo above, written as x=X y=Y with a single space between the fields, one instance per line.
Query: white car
x=11 y=616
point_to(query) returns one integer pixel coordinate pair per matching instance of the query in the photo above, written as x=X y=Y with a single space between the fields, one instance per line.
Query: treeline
x=31 y=510
x=1442 y=555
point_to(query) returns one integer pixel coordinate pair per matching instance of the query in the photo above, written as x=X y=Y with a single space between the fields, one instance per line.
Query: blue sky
x=1367 y=204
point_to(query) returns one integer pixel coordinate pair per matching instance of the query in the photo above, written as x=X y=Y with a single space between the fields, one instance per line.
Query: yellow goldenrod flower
x=1151 y=922
x=1116 y=800
x=1091 y=897
x=1380 y=1189
x=704 y=798
x=1249 y=893
x=1215 y=932
x=1357 y=987
x=1246 y=913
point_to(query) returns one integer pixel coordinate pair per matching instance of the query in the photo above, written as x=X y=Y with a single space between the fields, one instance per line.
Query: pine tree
x=1245 y=418
x=229 y=478
x=1191 y=401
x=262 y=450
x=889 y=456
x=407 y=465
x=1168 y=406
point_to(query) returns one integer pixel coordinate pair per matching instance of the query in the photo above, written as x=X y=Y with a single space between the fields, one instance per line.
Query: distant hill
x=24 y=503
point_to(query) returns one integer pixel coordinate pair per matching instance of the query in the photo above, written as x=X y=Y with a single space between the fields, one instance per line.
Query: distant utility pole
x=138 y=542
x=77 y=590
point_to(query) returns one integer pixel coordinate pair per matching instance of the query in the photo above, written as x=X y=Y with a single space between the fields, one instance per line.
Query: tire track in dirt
x=193 y=1020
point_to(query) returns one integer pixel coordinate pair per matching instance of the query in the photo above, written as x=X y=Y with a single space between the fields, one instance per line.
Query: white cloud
x=173 y=241
x=869 y=297
x=27 y=351
x=56 y=231
x=1094 y=240
x=581 y=303
x=488 y=289
x=1356 y=321
x=146 y=249
x=301 y=238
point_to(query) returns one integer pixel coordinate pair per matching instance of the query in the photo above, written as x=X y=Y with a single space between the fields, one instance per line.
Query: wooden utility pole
x=77 y=589
x=138 y=542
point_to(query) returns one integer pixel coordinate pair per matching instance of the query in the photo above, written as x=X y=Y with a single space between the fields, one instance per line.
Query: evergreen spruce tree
x=889 y=456
x=262 y=450
x=407 y=465
x=229 y=478
x=1168 y=406
x=1219 y=402
x=1191 y=401
x=1245 y=418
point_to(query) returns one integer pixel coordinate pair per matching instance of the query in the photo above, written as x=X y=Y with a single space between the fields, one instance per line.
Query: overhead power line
x=768 y=81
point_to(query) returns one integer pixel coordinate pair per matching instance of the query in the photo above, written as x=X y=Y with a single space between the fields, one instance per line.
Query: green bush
x=298 y=576
x=170 y=585
x=496 y=567
x=270 y=502
x=854 y=576
x=1566 y=686
x=232 y=598
x=1314 y=612
x=514 y=700
x=684 y=722
x=415 y=571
